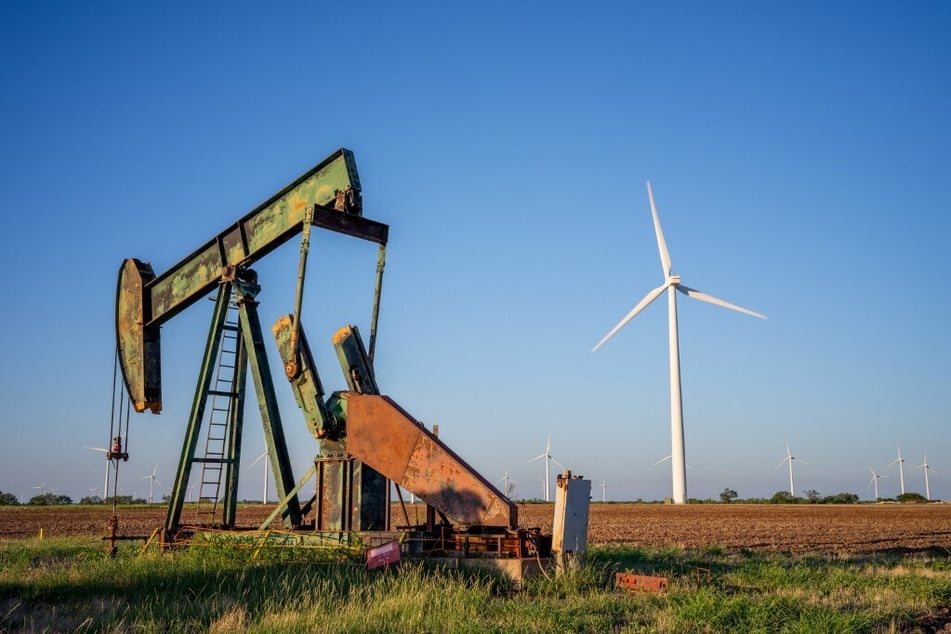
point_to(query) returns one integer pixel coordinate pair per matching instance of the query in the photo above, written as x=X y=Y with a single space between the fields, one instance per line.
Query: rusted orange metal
x=648 y=583
x=381 y=434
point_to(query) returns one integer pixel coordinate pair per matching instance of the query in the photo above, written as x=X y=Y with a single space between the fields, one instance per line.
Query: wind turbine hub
x=673 y=280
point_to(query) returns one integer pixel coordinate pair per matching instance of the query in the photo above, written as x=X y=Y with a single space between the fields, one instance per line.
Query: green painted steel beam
x=330 y=192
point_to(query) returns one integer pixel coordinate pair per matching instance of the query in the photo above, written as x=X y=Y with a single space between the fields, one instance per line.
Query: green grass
x=68 y=585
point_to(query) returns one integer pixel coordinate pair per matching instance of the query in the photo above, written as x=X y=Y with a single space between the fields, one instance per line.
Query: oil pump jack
x=365 y=440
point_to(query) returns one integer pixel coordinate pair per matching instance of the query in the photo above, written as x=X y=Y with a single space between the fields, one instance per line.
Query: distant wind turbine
x=874 y=481
x=671 y=285
x=789 y=458
x=604 y=486
x=267 y=459
x=105 y=484
x=508 y=484
x=152 y=480
x=548 y=460
x=927 y=467
x=901 y=469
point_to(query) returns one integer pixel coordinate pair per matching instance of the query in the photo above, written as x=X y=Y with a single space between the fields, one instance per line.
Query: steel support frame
x=251 y=354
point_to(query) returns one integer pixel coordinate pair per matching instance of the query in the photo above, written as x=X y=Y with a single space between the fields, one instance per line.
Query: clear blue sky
x=799 y=154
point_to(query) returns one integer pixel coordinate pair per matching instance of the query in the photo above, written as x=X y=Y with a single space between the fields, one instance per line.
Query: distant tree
x=812 y=495
x=50 y=499
x=728 y=495
x=911 y=497
x=783 y=497
x=90 y=499
x=840 y=498
x=8 y=499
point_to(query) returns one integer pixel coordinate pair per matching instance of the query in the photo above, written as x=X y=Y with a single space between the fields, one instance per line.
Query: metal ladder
x=222 y=400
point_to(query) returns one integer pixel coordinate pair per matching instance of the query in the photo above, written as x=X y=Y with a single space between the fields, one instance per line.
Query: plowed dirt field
x=785 y=528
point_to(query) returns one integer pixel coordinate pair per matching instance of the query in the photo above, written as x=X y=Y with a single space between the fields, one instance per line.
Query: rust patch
x=647 y=583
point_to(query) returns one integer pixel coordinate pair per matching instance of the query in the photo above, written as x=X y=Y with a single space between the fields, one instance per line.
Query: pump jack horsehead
x=364 y=439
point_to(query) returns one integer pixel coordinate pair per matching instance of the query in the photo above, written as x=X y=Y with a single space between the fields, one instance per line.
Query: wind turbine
x=267 y=459
x=105 y=484
x=927 y=467
x=874 y=481
x=901 y=469
x=671 y=285
x=604 y=486
x=789 y=458
x=152 y=479
x=508 y=484
x=548 y=461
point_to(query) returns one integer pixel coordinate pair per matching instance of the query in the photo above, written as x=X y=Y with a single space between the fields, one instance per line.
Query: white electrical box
x=570 y=528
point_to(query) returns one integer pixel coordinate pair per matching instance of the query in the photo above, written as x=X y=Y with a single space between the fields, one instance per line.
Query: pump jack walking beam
x=330 y=192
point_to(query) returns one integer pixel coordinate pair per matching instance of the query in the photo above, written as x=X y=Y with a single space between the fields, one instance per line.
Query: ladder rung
x=224 y=393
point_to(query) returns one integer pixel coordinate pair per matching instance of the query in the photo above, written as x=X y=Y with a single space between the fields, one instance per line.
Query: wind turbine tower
x=672 y=285
x=508 y=484
x=927 y=467
x=548 y=460
x=901 y=469
x=789 y=458
x=152 y=479
x=266 y=457
x=105 y=484
x=874 y=481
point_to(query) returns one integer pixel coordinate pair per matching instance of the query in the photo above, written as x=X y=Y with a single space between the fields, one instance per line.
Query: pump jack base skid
x=515 y=554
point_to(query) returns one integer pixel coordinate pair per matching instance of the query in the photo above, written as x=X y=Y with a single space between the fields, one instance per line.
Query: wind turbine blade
x=710 y=299
x=539 y=457
x=97 y=449
x=664 y=459
x=661 y=243
x=782 y=462
x=558 y=463
x=641 y=305
x=258 y=459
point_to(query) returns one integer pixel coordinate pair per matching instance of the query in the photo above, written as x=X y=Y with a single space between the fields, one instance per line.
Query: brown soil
x=786 y=528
